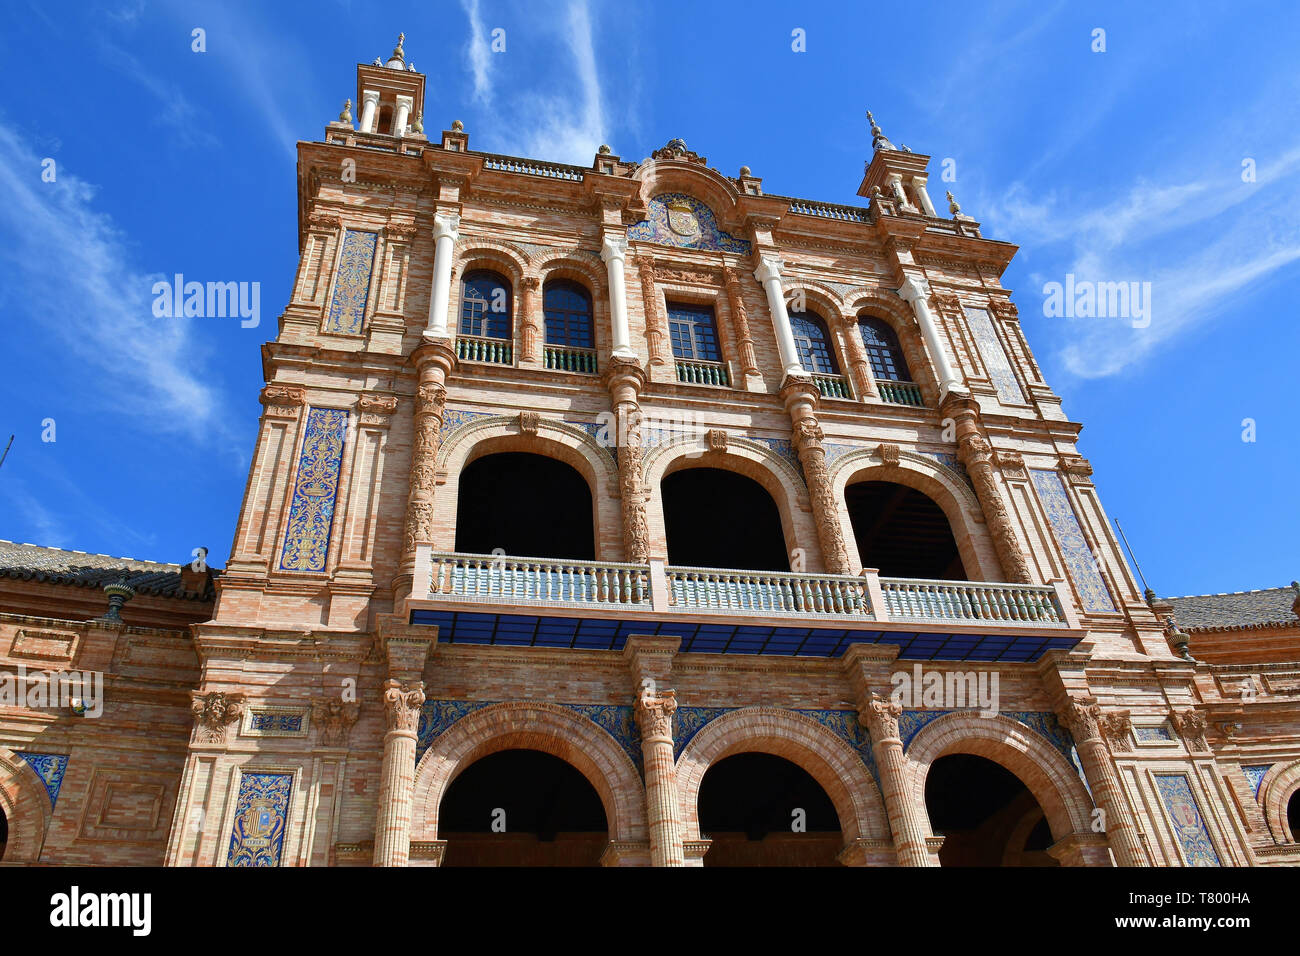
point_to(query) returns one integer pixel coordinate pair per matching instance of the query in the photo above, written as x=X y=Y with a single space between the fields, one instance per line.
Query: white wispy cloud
x=478 y=52
x=67 y=268
x=173 y=107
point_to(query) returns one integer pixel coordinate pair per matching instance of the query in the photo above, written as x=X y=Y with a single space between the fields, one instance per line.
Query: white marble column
x=446 y=230
x=918 y=184
x=614 y=252
x=768 y=274
x=369 y=102
x=917 y=291
x=404 y=105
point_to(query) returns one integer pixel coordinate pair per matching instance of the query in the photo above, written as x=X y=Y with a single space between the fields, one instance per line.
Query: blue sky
x=1122 y=165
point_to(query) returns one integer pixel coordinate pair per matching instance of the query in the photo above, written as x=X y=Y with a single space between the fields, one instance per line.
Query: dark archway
x=986 y=815
x=4 y=833
x=527 y=505
x=749 y=806
x=901 y=532
x=522 y=808
x=719 y=519
x=1293 y=816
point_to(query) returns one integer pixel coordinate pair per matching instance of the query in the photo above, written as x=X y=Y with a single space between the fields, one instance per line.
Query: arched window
x=485 y=305
x=813 y=342
x=568 y=314
x=883 y=351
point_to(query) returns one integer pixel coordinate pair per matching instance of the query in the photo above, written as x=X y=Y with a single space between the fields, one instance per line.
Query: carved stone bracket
x=214 y=713
x=333 y=718
x=283 y=401
x=1191 y=726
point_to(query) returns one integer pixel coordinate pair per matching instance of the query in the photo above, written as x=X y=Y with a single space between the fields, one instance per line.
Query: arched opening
x=901 y=532
x=987 y=816
x=812 y=340
x=718 y=519
x=522 y=808
x=884 y=351
x=485 y=305
x=764 y=810
x=4 y=832
x=1293 y=816
x=526 y=505
x=385 y=122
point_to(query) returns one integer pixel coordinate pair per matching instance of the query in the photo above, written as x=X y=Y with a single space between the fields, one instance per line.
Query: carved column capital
x=214 y=712
x=402 y=705
x=881 y=717
x=1083 y=718
x=654 y=713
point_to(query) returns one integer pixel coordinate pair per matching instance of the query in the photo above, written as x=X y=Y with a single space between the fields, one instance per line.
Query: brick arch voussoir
x=554 y=439
x=1275 y=791
x=1046 y=773
x=829 y=759
x=26 y=807
x=531 y=725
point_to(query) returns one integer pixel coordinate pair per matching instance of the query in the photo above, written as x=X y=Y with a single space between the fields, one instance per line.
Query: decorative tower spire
x=398 y=60
x=952 y=205
x=346 y=115
x=878 y=139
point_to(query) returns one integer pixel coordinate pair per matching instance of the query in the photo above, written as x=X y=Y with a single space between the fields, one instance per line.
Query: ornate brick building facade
x=636 y=515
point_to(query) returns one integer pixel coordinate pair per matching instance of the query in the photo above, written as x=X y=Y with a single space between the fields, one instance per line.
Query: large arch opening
x=901 y=532
x=719 y=519
x=1293 y=816
x=522 y=808
x=527 y=505
x=4 y=833
x=986 y=814
x=762 y=810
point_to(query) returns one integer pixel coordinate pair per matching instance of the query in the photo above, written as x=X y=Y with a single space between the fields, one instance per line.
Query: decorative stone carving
x=1076 y=467
x=376 y=409
x=717 y=439
x=977 y=455
x=686 y=276
x=740 y=318
x=529 y=422
x=636 y=527
x=889 y=453
x=1191 y=726
x=400 y=231
x=214 y=713
x=808 y=437
x=677 y=149
x=531 y=339
x=324 y=222
x=882 y=715
x=430 y=401
x=1116 y=727
x=283 y=401
x=1003 y=309
x=402 y=705
x=1083 y=717
x=333 y=718
x=654 y=714
x=1012 y=464
x=656 y=327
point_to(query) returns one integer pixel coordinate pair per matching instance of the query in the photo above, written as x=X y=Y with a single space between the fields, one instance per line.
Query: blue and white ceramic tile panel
x=995 y=357
x=453 y=418
x=352 y=284
x=676 y=219
x=306 y=542
x=50 y=768
x=1069 y=536
x=785 y=448
x=1151 y=734
x=437 y=717
x=689 y=721
x=845 y=724
x=272 y=722
x=1185 y=815
x=261 y=819
x=1255 y=774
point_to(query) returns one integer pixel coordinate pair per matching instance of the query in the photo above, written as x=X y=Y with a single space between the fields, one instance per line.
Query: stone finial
x=378 y=62
x=457 y=126
x=604 y=149
x=744 y=171
x=1178 y=639
x=398 y=53
x=118 y=594
x=345 y=116
x=952 y=204
x=878 y=139
x=418 y=125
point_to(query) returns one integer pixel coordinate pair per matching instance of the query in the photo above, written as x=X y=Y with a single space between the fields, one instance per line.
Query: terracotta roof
x=31 y=562
x=1236 y=611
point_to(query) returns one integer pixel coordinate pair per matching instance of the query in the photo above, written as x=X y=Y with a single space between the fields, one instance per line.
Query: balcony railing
x=830 y=211
x=833 y=386
x=917 y=599
x=471 y=348
x=566 y=358
x=529 y=167
x=696 y=372
x=900 y=393
x=508 y=580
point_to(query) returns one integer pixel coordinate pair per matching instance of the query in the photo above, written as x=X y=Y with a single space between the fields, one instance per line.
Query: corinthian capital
x=1083 y=717
x=614 y=247
x=915 y=289
x=882 y=717
x=769 y=268
x=654 y=713
x=446 y=225
x=402 y=705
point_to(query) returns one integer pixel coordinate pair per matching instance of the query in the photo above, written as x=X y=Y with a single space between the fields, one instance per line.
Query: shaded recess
x=986 y=815
x=527 y=505
x=901 y=532
x=719 y=519
x=747 y=807
x=551 y=813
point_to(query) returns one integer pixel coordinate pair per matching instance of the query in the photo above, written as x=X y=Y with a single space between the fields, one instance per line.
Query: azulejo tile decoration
x=1185 y=815
x=453 y=418
x=1255 y=774
x=1151 y=734
x=845 y=725
x=676 y=219
x=50 y=768
x=619 y=722
x=1069 y=535
x=689 y=721
x=261 y=818
x=995 y=357
x=352 y=284
x=276 y=722
x=306 y=542
x=438 y=715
